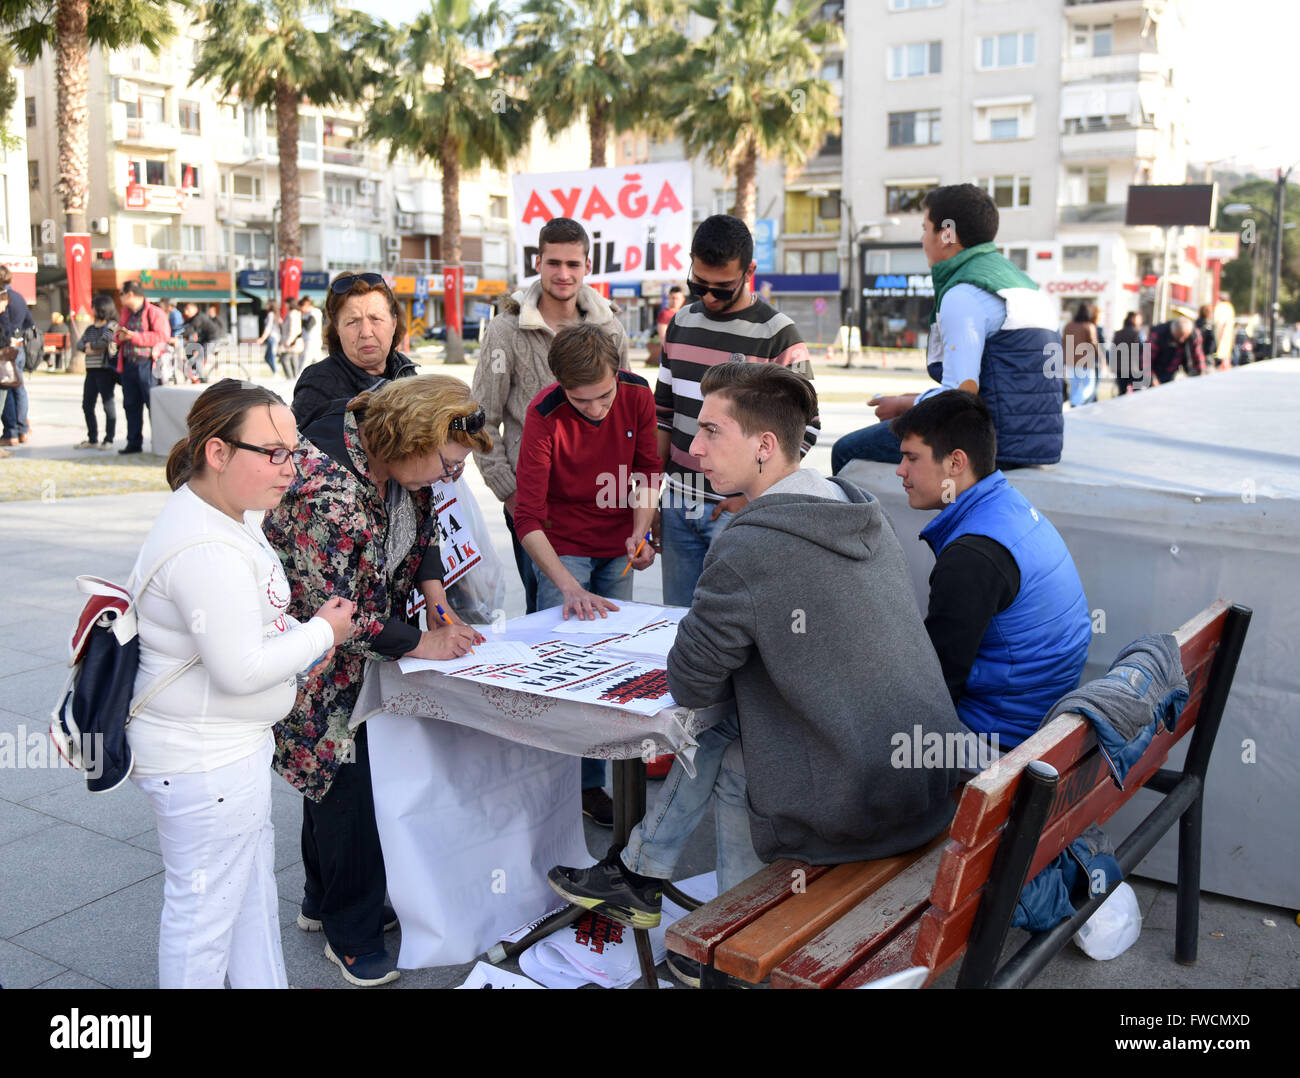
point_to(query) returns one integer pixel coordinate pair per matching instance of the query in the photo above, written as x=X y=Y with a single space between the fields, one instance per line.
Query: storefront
x=180 y=286
x=897 y=296
x=421 y=299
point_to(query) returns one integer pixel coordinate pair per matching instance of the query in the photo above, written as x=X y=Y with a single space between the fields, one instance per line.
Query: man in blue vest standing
x=1007 y=614
x=992 y=332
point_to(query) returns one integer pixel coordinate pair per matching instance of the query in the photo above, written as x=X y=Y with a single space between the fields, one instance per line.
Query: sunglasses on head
x=344 y=282
x=470 y=424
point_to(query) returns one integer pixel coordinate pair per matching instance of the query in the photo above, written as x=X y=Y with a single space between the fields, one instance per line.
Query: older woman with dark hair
x=365 y=324
x=359 y=523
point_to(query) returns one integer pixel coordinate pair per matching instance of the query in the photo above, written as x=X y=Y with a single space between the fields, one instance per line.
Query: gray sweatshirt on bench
x=806 y=607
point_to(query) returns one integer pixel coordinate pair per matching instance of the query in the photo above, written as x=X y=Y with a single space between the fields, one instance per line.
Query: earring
x=760 y=465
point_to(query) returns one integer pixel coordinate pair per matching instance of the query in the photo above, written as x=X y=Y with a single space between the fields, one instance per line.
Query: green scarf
x=981 y=266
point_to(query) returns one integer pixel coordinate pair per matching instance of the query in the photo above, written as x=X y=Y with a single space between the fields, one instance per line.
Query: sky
x=1243 y=62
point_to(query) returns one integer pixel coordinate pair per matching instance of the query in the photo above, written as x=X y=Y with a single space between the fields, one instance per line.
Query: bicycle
x=204 y=365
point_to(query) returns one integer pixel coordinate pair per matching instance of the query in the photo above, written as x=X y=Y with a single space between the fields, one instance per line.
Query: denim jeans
x=600 y=576
x=527 y=570
x=137 y=377
x=657 y=842
x=1083 y=386
x=687 y=535
x=269 y=354
x=13 y=415
x=876 y=442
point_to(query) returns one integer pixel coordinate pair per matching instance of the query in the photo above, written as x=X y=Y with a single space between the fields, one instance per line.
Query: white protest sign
x=638 y=218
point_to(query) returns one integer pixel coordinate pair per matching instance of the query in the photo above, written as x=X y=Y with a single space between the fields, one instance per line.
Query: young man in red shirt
x=586 y=439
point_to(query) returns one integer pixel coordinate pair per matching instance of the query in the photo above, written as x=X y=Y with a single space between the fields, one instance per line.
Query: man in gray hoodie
x=804 y=613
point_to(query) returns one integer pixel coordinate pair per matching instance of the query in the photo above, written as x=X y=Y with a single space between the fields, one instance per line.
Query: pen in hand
x=635 y=554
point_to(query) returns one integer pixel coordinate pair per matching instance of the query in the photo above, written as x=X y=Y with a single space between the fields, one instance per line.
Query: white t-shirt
x=208 y=600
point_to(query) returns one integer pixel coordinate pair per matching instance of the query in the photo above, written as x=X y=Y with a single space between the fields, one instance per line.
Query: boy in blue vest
x=992 y=332
x=1007 y=613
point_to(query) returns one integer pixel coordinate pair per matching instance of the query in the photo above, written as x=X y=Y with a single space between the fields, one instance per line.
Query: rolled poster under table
x=474 y=809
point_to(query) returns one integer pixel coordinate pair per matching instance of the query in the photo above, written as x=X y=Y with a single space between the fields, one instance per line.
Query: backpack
x=88 y=723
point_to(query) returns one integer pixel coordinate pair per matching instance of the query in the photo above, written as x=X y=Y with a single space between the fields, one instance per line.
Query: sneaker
x=611 y=890
x=686 y=970
x=309 y=916
x=597 y=805
x=106 y=444
x=9 y=441
x=129 y=449
x=24 y=438
x=364 y=970
x=87 y=444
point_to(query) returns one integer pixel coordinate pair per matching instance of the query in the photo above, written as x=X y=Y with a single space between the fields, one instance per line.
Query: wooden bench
x=843 y=926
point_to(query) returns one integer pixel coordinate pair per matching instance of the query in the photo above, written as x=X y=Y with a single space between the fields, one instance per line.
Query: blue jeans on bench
x=657 y=842
x=876 y=442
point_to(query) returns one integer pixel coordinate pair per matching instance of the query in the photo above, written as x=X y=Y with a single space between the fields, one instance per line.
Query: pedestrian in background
x=270 y=335
x=143 y=334
x=1081 y=346
x=1130 y=360
x=99 y=344
x=17 y=322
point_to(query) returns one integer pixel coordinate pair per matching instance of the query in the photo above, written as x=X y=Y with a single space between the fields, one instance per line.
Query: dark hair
x=582 y=354
x=6 y=276
x=1205 y=312
x=104 y=307
x=763 y=397
x=334 y=303
x=953 y=419
x=676 y=290
x=721 y=238
x=218 y=413
x=1130 y=319
x=562 y=230
x=1086 y=312
x=971 y=209
x=132 y=288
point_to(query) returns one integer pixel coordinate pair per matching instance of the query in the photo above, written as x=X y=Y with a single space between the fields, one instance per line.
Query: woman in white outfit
x=203 y=744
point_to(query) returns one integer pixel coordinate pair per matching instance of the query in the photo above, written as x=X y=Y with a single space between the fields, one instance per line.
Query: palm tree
x=263 y=53
x=604 y=57
x=437 y=97
x=754 y=92
x=70 y=27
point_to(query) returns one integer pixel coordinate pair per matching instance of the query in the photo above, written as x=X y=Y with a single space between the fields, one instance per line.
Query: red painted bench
x=844 y=926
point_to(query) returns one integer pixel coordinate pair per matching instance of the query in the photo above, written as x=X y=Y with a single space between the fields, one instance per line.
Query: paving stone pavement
x=81 y=875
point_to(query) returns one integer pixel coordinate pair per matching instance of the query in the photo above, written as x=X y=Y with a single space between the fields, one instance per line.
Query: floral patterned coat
x=329 y=530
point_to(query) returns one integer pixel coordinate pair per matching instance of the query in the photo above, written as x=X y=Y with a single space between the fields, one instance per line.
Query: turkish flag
x=76 y=253
x=290 y=280
x=453 y=296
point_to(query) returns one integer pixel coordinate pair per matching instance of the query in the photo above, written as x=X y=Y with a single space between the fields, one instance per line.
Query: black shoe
x=309 y=916
x=686 y=970
x=129 y=449
x=597 y=805
x=612 y=891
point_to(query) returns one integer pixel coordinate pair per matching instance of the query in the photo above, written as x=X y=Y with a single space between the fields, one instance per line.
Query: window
x=914 y=128
x=241 y=186
x=497 y=206
x=1009 y=192
x=159 y=237
x=1086 y=186
x=340 y=194
x=190 y=178
x=913 y=61
x=1006 y=50
x=192 y=238
x=906 y=197
x=152 y=108
x=912 y=5
x=832 y=146
x=1004 y=119
x=1079 y=259
x=307 y=128
x=249 y=244
x=1095 y=40
x=805 y=214
x=187 y=115
x=811 y=262
x=1018 y=257
x=31 y=111
x=148 y=170
x=33 y=174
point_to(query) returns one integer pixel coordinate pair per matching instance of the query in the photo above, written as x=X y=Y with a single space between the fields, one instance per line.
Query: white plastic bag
x=1114 y=928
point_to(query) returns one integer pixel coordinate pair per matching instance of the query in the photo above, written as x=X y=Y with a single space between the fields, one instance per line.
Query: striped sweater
x=696 y=341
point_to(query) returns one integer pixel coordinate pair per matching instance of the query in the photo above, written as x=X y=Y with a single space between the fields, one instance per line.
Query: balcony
x=1101 y=10
x=1098 y=213
x=153 y=258
x=1124 y=65
x=153 y=197
x=145 y=134
x=139 y=65
x=1132 y=141
x=352 y=158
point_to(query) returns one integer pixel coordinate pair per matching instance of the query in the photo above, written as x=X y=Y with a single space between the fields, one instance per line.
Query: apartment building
x=1054 y=107
x=15 y=179
x=185 y=193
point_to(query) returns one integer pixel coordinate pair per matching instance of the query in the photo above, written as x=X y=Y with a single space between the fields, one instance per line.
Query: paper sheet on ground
x=485 y=976
x=594 y=950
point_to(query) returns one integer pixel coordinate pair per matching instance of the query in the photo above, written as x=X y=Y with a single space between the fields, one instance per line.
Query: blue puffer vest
x=1033 y=652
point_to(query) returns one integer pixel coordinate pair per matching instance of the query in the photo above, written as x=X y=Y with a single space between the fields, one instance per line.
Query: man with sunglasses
x=364 y=326
x=726 y=323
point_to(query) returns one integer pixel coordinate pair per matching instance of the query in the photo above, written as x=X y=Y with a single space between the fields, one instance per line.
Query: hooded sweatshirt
x=512 y=370
x=805 y=611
